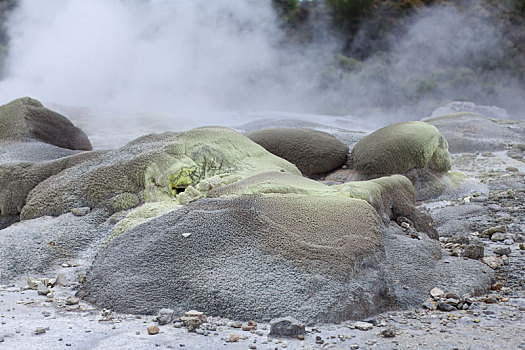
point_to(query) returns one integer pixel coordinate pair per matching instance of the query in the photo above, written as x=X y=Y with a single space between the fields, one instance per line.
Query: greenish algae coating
x=398 y=148
x=139 y=215
x=154 y=167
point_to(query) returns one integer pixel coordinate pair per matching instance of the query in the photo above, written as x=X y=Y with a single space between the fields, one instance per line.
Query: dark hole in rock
x=178 y=189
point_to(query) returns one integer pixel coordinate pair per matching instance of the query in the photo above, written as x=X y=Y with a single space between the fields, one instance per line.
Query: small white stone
x=186 y=234
x=437 y=293
x=364 y=326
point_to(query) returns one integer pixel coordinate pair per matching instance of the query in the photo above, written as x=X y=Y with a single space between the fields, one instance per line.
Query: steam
x=188 y=56
x=444 y=55
x=140 y=55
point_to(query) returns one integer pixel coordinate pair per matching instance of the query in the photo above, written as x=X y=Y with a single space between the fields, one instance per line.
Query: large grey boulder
x=26 y=119
x=316 y=258
x=472 y=132
x=252 y=257
x=312 y=151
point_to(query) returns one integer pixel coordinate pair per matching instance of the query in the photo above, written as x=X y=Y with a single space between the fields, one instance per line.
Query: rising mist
x=185 y=57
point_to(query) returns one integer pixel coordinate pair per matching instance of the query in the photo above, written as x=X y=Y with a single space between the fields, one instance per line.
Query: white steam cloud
x=134 y=55
x=185 y=56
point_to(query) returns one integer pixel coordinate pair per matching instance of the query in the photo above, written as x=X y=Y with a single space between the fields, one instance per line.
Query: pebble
x=437 y=293
x=388 y=332
x=354 y=346
x=496 y=229
x=522 y=246
x=452 y=301
x=429 y=305
x=286 y=326
x=165 y=316
x=364 y=326
x=234 y=338
x=443 y=306
x=153 y=330
x=252 y=346
x=452 y=296
x=40 y=330
x=497 y=237
x=42 y=289
x=491 y=299
x=474 y=251
x=502 y=250
x=72 y=301
x=193 y=319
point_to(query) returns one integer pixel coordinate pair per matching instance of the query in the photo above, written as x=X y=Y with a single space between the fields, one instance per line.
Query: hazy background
x=210 y=57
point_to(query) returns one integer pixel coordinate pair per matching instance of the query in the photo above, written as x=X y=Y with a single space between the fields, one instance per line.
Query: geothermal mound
x=312 y=151
x=207 y=219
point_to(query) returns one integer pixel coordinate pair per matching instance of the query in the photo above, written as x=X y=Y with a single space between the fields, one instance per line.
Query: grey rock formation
x=471 y=132
x=312 y=151
x=27 y=119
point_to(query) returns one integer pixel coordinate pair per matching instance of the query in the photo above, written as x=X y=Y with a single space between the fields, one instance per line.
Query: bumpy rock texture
x=153 y=167
x=27 y=119
x=251 y=257
x=266 y=243
x=401 y=147
x=393 y=197
x=319 y=259
x=312 y=151
x=40 y=246
x=471 y=132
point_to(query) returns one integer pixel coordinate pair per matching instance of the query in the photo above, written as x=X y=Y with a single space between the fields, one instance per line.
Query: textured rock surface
x=312 y=151
x=315 y=258
x=153 y=167
x=251 y=257
x=18 y=179
x=398 y=148
x=27 y=119
x=471 y=132
x=392 y=197
x=41 y=245
x=31 y=152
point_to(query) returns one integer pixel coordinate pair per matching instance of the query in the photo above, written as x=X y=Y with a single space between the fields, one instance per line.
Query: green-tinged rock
x=123 y=201
x=27 y=119
x=318 y=250
x=272 y=182
x=392 y=197
x=312 y=151
x=153 y=168
x=145 y=212
x=398 y=148
x=17 y=180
